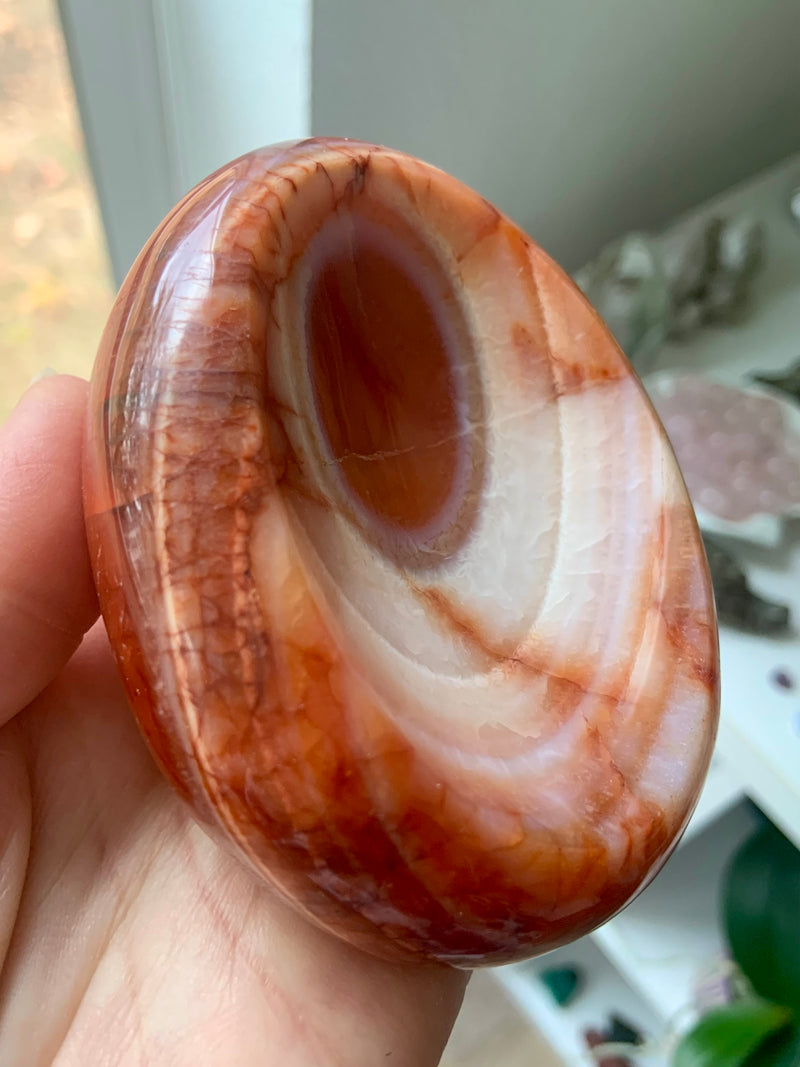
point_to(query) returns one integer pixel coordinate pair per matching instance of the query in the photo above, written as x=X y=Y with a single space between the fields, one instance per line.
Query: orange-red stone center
x=383 y=381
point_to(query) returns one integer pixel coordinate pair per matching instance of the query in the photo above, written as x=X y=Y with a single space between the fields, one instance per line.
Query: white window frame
x=162 y=104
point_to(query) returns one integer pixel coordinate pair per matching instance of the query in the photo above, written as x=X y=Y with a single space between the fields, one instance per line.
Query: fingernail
x=47 y=372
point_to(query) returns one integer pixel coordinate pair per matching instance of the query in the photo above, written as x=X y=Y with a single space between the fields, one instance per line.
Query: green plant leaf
x=762 y=916
x=726 y=1037
x=779 y=1050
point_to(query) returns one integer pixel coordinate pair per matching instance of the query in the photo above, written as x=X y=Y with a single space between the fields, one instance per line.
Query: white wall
x=580 y=118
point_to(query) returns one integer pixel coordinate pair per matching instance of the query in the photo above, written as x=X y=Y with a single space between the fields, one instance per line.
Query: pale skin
x=128 y=937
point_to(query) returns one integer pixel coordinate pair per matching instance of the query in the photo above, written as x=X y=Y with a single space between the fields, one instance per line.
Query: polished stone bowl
x=398 y=566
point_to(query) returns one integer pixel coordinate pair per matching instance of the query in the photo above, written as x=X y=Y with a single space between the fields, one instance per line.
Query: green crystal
x=563 y=983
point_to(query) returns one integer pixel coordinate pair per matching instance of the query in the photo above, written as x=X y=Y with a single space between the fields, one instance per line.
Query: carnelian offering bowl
x=399 y=570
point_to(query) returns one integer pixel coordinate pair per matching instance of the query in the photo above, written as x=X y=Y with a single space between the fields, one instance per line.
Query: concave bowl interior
x=403 y=581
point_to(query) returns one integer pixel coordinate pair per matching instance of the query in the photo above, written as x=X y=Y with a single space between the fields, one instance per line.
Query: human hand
x=126 y=935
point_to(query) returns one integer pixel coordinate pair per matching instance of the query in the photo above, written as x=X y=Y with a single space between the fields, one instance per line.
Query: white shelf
x=722 y=789
x=759 y=736
x=670 y=935
x=604 y=991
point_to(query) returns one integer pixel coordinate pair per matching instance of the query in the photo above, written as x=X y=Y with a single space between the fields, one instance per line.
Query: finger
x=47 y=598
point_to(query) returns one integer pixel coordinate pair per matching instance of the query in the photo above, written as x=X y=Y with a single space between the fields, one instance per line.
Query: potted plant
x=761 y=915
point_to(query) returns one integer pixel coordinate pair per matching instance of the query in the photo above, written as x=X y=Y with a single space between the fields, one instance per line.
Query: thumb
x=47 y=598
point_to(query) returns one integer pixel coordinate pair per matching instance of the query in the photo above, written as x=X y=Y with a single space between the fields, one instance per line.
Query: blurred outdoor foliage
x=55 y=287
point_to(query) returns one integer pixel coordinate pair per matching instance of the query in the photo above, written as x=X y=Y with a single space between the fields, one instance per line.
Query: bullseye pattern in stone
x=397 y=564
